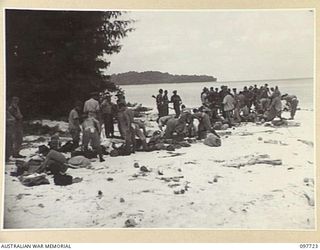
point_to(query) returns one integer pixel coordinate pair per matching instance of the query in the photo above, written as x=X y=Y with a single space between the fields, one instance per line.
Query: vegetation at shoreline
x=147 y=77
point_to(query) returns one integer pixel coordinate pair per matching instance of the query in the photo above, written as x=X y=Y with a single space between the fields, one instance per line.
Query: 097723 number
x=308 y=245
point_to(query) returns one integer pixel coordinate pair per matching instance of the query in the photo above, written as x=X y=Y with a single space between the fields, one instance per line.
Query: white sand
x=257 y=196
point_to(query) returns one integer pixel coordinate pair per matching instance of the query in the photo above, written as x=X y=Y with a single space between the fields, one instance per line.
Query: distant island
x=150 y=77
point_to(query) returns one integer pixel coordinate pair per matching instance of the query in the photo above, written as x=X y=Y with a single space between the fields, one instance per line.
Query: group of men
x=101 y=110
x=162 y=101
x=249 y=104
x=226 y=108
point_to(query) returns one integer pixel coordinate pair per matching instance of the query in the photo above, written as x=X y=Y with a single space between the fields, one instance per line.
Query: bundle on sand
x=212 y=140
x=34 y=180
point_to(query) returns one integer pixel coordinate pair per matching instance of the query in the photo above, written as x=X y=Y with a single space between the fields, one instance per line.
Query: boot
x=101 y=158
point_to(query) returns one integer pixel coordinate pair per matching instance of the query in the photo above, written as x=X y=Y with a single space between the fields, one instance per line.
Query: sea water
x=190 y=92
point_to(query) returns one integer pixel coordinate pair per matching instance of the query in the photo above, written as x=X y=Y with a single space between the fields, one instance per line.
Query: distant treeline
x=149 y=77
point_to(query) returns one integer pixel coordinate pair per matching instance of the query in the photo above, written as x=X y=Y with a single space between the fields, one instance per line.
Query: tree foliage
x=56 y=57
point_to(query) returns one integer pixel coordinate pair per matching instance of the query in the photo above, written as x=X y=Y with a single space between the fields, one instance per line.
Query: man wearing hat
x=91 y=106
x=176 y=100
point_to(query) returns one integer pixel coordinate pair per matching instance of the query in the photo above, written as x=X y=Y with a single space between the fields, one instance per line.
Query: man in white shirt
x=228 y=107
x=92 y=106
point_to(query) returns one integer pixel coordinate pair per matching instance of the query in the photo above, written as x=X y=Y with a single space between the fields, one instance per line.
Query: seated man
x=55 y=162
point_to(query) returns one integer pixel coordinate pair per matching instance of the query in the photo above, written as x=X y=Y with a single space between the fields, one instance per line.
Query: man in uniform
x=17 y=136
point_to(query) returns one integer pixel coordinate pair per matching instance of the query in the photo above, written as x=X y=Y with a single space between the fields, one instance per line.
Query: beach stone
x=136 y=165
x=160 y=172
x=130 y=223
x=215 y=179
x=122 y=200
x=260 y=138
x=144 y=169
x=100 y=193
x=109 y=179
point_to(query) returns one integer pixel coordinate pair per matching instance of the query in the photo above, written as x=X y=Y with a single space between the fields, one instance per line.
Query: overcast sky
x=230 y=45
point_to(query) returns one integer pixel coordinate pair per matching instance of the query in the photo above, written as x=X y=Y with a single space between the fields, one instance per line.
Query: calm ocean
x=190 y=92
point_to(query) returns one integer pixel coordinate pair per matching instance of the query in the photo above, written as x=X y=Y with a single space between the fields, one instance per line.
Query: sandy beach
x=223 y=188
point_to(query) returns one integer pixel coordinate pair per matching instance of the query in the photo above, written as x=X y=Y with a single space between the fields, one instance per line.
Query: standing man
x=176 y=100
x=10 y=120
x=228 y=106
x=17 y=136
x=165 y=103
x=108 y=110
x=92 y=107
x=74 y=123
x=126 y=120
x=159 y=102
x=91 y=134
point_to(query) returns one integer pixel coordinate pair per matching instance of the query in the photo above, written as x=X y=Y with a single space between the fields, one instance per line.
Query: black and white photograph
x=159 y=119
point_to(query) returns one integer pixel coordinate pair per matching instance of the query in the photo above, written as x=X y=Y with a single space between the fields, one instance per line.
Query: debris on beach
x=130 y=223
x=20 y=196
x=190 y=162
x=310 y=200
x=309 y=181
x=260 y=159
x=275 y=142
x=172 y=155
x=181 y=191
x=309 y=143
x=144 y=169
x=100 y=194
x=174 y=178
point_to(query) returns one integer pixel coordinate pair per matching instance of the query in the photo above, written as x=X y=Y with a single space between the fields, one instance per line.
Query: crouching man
x=204 y=126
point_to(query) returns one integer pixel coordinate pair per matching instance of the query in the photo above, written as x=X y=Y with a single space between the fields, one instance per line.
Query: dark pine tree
x=56 y=57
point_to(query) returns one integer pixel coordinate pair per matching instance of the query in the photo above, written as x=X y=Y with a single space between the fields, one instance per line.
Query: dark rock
x=109 y=179
x=144 y=169
x=130 y=223
x=122 y=200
